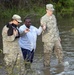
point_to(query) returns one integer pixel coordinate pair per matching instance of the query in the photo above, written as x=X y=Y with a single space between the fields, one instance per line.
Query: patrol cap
x=49 y=7
x=17 y=17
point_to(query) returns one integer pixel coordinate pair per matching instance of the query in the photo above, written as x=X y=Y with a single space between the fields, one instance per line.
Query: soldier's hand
x=15 y=32
x=43 y=27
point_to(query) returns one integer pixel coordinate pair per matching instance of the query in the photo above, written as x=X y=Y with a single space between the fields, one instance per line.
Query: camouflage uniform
x=50 y=37
x=12 y=54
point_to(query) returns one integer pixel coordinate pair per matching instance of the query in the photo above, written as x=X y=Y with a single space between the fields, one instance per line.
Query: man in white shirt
x=28 y=37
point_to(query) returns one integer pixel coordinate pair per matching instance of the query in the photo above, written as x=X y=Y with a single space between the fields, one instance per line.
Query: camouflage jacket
x=51 y=31
x=10 y=44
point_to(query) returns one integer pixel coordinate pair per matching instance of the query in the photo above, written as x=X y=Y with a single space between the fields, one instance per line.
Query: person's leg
x=58 y=51
x=20 y=67
x=47 y=53
x=27 y=59
x=24 y=53
x=9 y=60
x=30 y=55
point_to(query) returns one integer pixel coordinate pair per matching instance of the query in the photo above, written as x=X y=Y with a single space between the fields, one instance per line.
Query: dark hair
x=26 y=18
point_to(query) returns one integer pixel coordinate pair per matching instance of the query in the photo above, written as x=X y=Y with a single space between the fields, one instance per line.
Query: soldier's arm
x=10 y=38
x=43 y=23
x=6 y=37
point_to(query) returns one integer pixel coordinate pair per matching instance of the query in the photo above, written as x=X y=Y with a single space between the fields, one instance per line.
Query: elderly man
x=11 y=50
x=50 y=36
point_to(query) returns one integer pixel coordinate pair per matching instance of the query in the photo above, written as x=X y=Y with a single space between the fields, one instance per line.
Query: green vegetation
x=0 y=50
x=63 y=8
x=4 y=14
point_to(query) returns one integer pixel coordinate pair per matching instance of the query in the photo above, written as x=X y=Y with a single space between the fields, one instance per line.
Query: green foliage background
x=63 y=8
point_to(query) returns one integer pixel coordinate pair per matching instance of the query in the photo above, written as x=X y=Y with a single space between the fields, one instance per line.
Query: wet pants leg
x=58 y=51
x=47 y=53
x=28 y=55
x=14 y=64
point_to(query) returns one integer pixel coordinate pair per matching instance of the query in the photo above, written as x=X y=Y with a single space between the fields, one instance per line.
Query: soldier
x=50 y=36
x=11 y=50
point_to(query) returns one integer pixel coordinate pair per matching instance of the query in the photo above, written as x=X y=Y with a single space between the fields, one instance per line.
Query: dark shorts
x=28 y=55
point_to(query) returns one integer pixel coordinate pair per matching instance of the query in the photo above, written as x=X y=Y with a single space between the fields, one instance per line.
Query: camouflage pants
x=14 y=64
x=49 y=47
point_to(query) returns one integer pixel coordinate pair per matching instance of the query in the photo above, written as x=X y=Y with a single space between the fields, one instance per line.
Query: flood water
x=67 y=37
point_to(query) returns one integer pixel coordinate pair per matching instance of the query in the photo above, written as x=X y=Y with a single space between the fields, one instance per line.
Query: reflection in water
x=55 y=68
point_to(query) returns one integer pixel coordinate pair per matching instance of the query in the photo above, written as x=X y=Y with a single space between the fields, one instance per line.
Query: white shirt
x=28 y=40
